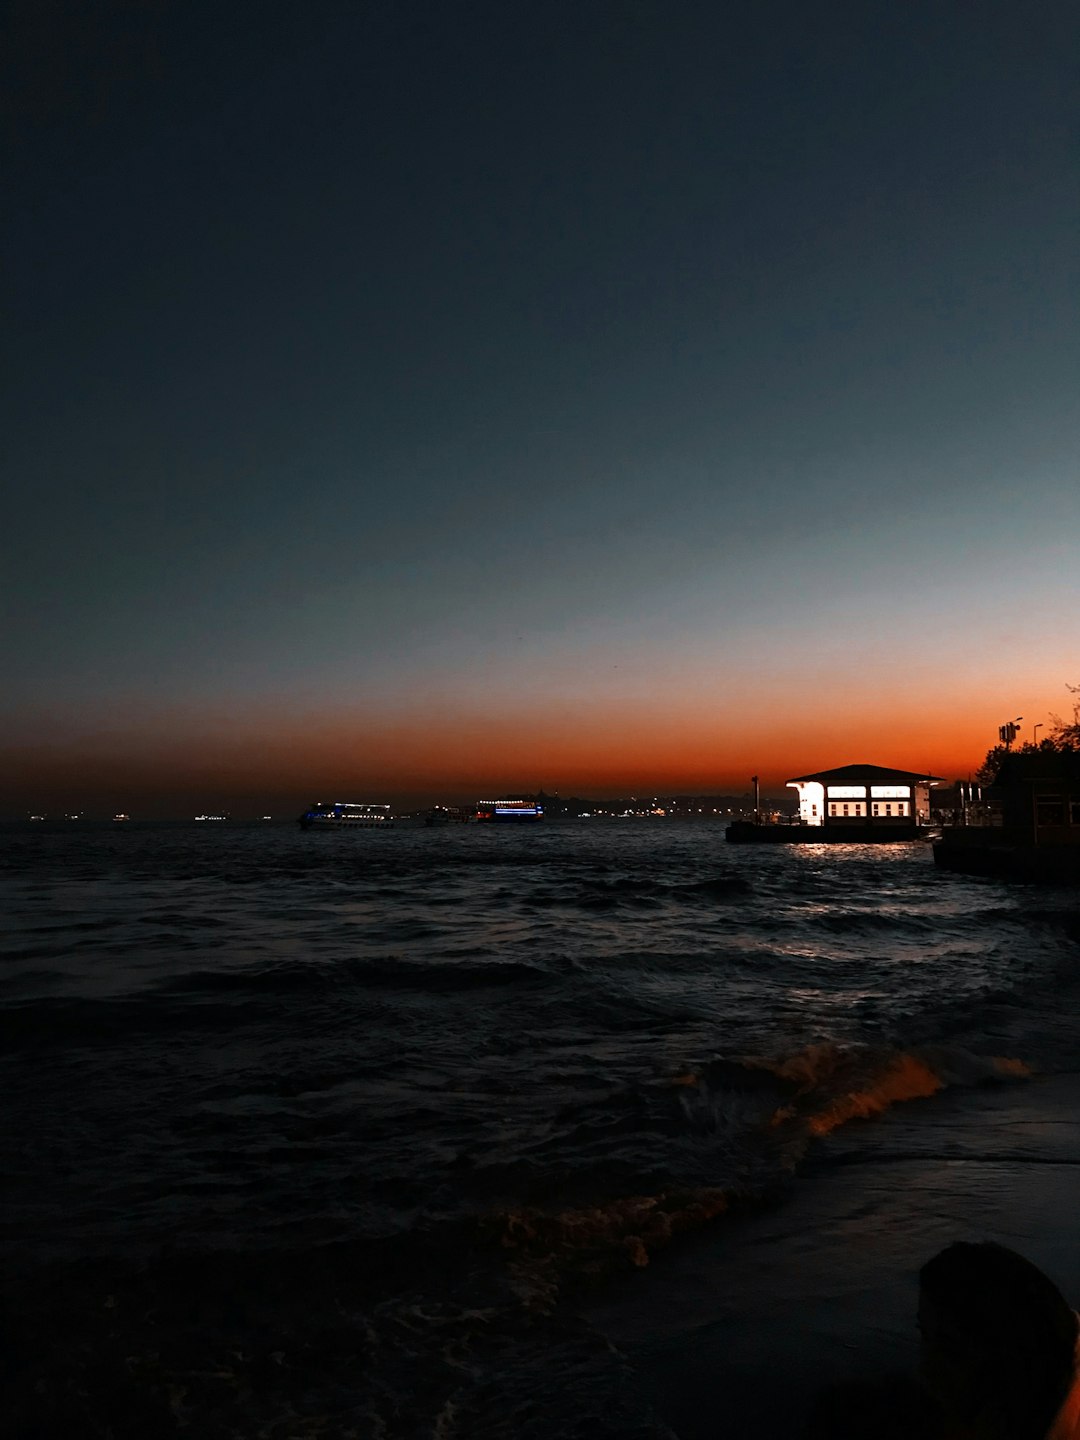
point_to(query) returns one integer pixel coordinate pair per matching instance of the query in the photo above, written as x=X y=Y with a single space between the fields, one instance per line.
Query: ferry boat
x=515 y=811
x=345 y=815
x=434 y=817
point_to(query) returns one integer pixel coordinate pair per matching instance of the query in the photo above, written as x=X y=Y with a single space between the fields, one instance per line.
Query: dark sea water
x=322 y=1134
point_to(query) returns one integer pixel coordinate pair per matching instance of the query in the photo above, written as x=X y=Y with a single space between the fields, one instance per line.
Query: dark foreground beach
x=734 y=1333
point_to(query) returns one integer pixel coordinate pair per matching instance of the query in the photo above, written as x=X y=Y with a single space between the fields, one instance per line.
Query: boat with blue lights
x=519 y=810
x=346 y=815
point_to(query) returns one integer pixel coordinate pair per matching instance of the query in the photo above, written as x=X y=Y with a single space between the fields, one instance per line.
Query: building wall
x=1038 y=797
x=880 y=804
x=869 y=804
x=811 y=801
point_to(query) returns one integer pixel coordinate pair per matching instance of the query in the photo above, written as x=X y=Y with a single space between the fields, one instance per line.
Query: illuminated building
x=865 y=798
x=854 y=804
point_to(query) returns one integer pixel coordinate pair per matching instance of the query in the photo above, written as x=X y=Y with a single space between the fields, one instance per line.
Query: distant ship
x=120 y=818
x=515 y=811
x=339 y=814
x=433 y=817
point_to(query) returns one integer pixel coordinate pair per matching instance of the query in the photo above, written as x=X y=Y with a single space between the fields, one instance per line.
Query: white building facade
x=865 y=797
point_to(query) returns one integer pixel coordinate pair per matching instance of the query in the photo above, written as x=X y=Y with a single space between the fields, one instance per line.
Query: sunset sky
x=415 y=400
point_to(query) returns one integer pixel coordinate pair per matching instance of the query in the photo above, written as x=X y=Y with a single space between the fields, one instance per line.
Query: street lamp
x=1035 y=732
x=1007 y=732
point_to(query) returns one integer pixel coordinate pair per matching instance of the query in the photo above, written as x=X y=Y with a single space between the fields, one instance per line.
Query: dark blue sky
x=566 y=366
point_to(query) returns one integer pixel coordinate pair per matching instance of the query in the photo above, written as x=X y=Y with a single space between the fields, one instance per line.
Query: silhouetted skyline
x=428 y=400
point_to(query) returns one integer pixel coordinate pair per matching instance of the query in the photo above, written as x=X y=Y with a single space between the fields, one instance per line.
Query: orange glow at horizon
x=690 y=744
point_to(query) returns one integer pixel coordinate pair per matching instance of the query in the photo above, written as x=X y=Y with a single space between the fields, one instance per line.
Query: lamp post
x=1007 y=732
x=1035 y=733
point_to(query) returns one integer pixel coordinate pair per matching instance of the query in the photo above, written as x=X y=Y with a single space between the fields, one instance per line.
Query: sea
x=329 y=1134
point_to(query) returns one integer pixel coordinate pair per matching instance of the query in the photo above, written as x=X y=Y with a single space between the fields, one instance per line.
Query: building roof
x=870 y=775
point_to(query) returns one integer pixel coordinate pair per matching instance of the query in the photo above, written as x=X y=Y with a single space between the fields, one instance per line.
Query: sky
x=412 y=401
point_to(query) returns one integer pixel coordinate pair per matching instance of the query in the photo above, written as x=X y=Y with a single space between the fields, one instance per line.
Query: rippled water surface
x=255 y=1046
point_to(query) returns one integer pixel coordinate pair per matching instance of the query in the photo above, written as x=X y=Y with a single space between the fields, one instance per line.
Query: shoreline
x=738 y=1329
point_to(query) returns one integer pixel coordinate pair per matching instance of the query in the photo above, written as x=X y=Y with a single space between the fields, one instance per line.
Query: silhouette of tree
x=1066 y=733
x=987 y=771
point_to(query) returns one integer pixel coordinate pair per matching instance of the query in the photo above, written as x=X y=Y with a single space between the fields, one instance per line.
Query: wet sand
x=733 y=1333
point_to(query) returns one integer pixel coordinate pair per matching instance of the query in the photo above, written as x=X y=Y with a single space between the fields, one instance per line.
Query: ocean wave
x=350 y=1341
x=392 y=973
x=64 y=1019
x=333 y=1336
x=824 y=1087
x=715 y=887
x=77 y=1021
x=836 y=1085
x=617 y=1037
x=856 y=922
x=600 y=892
